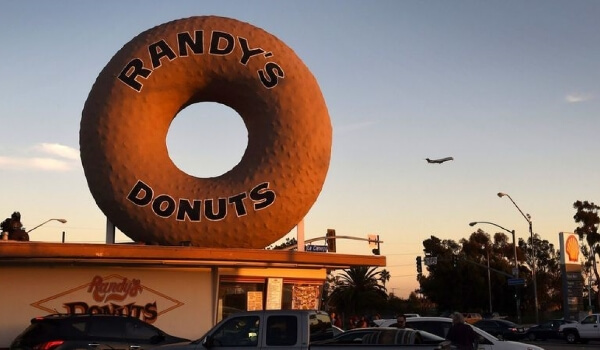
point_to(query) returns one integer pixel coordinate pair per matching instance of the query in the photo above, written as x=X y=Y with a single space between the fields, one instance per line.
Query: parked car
x=440 y=326
x=351 y=336
x=98 y=332
x=385 y=336
x=502 y=329
x=390 y=322
x=472 y=317
x=385 y=322
x=546 y=330
x=493 y=315
x=337 y=330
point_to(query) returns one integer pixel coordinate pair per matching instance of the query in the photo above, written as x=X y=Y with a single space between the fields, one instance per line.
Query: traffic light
x=374 y=241
x=330 y=240
x=454 y=260
x=419 y=266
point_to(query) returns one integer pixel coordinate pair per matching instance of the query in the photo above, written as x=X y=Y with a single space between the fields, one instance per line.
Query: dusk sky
x=510 y=89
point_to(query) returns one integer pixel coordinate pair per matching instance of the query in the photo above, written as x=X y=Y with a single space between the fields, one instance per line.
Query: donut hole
x=207 y=139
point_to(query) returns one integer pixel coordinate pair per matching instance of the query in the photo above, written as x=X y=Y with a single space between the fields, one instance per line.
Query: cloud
x=48 y=164
x=355 y=126
x=52 y=163
x=577 y=98
x=58 y=150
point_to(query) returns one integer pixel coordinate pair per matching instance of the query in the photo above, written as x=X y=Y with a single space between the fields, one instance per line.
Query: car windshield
x=199 y=340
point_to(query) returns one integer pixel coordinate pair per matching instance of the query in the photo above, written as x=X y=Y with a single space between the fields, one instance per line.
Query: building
x=182 y=290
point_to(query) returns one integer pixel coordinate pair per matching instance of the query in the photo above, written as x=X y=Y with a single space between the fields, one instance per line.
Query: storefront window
x=234 y=296
x=237 y=294
x=306 y=296
x=301 y=296
x=286 y=300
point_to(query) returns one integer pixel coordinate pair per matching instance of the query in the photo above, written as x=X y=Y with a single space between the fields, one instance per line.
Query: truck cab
x=265 y=329
x=584 y=331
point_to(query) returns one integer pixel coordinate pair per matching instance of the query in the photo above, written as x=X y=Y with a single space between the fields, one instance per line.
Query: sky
x=510 y=89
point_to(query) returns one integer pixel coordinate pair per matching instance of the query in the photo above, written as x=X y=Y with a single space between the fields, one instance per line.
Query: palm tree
x=384 y=276
x=358 y=291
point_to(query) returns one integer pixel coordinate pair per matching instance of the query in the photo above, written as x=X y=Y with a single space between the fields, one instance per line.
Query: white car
x=385 y=322
x=440 y=326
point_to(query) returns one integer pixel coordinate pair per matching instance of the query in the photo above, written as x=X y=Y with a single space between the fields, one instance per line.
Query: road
x=562 y=345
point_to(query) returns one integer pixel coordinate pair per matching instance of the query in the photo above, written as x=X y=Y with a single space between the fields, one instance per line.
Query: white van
x=440 y=326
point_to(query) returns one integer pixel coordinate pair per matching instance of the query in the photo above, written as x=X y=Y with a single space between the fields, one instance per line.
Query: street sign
x=316 y=248
x=515 y=281
x=372 y=241
x=430 y=260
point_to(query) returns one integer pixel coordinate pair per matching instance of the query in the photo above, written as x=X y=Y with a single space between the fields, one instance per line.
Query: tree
x=482 y=250
x=358 y=291
x=288 y=243
x=588 y=220
x=464 y=287
x=548 y=277
x=331 y=281
x=443 y=283
x=384 y=276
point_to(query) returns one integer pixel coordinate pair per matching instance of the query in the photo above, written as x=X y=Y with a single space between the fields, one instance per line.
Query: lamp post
x=512 y=232
x=47 y=221
x=528 y=218
x=487 y=250
x=516 y=269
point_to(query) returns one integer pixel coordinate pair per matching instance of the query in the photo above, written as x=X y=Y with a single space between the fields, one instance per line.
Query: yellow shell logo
x=572 y=249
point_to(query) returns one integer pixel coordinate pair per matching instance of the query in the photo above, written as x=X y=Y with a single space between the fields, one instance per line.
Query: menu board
x=305 y=297
x=255 y=301
x=274 y=293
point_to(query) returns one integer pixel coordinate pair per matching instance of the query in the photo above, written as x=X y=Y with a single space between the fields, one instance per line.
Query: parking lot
x=562 y=345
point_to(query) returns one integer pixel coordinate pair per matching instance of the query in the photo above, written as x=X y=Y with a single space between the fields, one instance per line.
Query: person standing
x=335 y=320
x=362 y=322
x=401 y=321
x=460 y=334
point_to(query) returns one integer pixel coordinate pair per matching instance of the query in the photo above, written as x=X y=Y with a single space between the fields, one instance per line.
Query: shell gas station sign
x=572 y=281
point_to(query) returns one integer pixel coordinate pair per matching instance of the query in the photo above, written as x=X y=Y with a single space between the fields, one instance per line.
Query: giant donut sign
x=137 y=95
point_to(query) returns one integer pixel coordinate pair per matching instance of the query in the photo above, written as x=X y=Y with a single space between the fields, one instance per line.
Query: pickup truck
x=289 y=329
x=584 y=331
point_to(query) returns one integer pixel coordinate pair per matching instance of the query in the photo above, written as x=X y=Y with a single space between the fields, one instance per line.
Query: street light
x=516 y=270
x=487 y=250
x=512 y=232
x=47 y=221
x=528 y=218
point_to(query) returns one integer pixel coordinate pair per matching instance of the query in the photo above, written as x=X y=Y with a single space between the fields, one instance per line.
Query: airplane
x=438 y=161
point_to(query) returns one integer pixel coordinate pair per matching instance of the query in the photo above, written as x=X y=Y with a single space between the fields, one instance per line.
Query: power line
x=413 y=275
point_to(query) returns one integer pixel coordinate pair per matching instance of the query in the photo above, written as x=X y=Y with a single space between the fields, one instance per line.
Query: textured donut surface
x=128 y=112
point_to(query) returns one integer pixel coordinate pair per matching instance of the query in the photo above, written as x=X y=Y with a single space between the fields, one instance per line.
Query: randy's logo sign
x=105 y=291
x=219 y=44
x=113 y=294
